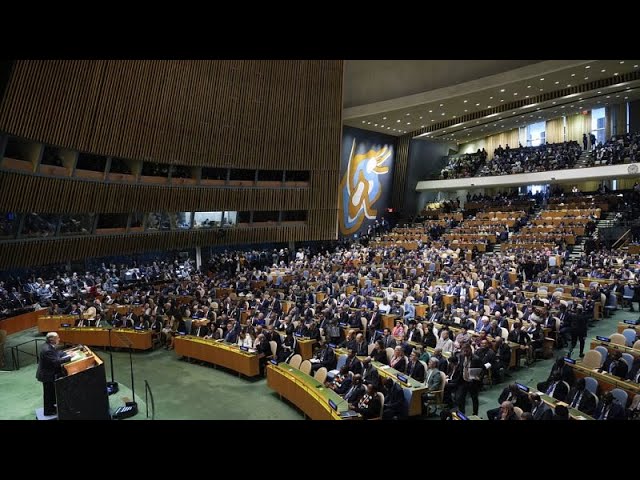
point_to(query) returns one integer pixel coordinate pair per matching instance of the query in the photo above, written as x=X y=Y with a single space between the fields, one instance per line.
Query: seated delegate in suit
x=539 y=409
x=326 y=358
x=369 y=405
x=557 y=388
x=355 y=391
x=512 y=394
x=507 y=412
x=609 y=409
x=615 y=365
x=395 y=405
x=432 y=379
x=634 y=373
x=352 y=363
x=445 y=343
x=415 y=369
x=581 y=399
x=369 y=372
x=454 y=374
x=341 y=382
x=379 y=354
x=565 y=371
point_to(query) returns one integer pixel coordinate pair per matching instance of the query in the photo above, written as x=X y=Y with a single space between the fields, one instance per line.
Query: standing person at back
x=50 y=368
x=584 y=141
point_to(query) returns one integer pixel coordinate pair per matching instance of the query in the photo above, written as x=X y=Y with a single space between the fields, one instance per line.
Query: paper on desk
x=385 y=367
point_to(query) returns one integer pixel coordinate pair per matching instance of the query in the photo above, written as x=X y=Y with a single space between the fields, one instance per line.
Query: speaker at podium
x=82 y=393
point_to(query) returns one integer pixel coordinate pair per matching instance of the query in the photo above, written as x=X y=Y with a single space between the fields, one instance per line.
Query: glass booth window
x=536 y=134
x=78 y=224
x=229 y=219
x=597 y=124
x=158 y=221
x=181 y=220
x=8 y=224
x=207 y=219
x=39 y=225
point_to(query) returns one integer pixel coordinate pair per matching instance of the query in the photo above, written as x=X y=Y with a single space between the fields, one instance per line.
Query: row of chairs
x=321 y=375
x=626 y=338
x=595 y=358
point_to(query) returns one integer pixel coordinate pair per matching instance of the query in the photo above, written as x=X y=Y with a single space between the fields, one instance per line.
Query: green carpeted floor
x=184 y=390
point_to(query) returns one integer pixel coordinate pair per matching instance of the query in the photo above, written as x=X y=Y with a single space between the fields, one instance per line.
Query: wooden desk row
x=412 y=385
x=100 y=337
x=218 y=353
x=613 y=346
x=623 y=326
x=305 y=392
x=606 y=381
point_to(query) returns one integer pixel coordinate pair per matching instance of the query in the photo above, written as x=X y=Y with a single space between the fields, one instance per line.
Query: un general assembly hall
x=395 y=240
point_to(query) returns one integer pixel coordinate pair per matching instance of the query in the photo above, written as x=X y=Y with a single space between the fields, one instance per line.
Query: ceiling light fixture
x=588 y=66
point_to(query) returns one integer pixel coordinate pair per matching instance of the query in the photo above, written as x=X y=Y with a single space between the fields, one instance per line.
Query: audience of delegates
x=463 y=166
x=505 y=161
x=619 y=149
x=483 y=307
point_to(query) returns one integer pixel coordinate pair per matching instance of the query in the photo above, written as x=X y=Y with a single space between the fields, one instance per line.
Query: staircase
x=583 y=160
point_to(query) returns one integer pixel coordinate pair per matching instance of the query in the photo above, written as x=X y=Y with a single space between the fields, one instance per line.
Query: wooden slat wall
x=43 y=252
x=250 y=113
x=30 y=193
x=283 y=114
x=400 y=171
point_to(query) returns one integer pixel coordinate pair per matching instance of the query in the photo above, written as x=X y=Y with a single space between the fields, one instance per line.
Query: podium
x=82 y=393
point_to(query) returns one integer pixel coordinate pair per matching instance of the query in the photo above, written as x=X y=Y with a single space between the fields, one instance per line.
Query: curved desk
x=218 y=353
x=99 y=337
x=305 y=392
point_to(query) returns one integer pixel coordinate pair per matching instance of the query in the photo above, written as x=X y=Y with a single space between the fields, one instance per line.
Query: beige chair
x=518 y=412
x=618 y=339
x=321 y=374
x=592 y=359
x=504 y=333
x=389 y=354
x=305 y=367
x=274 y=348
x=295 y=361
x=636 y=346
x=370 y=348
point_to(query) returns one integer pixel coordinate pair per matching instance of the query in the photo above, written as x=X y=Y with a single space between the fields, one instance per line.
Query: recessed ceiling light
x=364 y=121
x=571 y=106
x=375 y=124
x=586 y=78
x=421 y=126
x=397 y=121
x=562 y=106
x=454 y=116
x=502 y=90
x=603 y=70
x=542 y=89
x=408 y=114
x=615 y=74
x=608 y=96
x=441 y=105
x=557 y=82
x=617 y=96
x=626 y=98
x=430 y=111
x=444 y=131
x=466 y=110
x=580 y=108
x=528 y=86
x=635 y=66
x=443 y=113
x=384 y=118
x=477 y=121
x=554 y=103
x=526 y=96
x=408 y=123
x=588 y=66
x=573 y=74
x=568 y=85
x=465 y=101
x=368 y=123
x=477 y=104
x=433 y=120
x=515 y=93
x=513 y=113
x=501 y=101
x=388 y=128
x=542 y=79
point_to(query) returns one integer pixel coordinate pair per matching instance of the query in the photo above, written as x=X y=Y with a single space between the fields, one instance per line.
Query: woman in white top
x=245 y=340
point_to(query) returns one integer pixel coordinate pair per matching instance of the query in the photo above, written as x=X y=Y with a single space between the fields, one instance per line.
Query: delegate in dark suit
x=49 y=368
x=581 y=399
